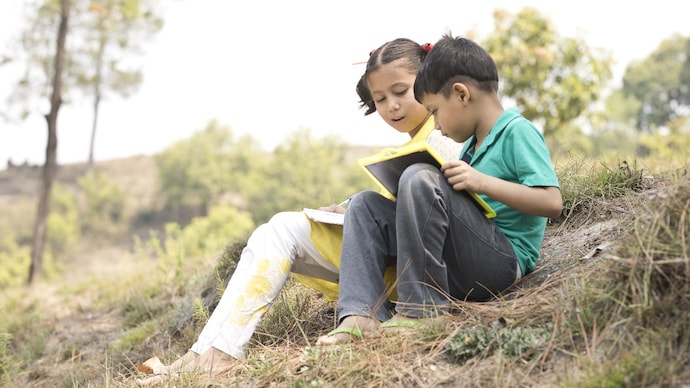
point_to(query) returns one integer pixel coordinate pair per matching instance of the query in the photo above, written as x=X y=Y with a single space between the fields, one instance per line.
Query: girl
x=290 y=242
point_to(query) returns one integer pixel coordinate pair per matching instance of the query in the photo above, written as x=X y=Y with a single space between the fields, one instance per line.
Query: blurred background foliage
x=216 y=186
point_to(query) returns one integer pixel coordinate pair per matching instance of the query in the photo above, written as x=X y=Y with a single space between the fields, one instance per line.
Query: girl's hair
x=391 y=51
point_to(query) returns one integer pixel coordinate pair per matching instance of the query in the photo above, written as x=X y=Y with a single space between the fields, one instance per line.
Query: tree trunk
x=96 y=102
x=96 y=99
x=50 y=167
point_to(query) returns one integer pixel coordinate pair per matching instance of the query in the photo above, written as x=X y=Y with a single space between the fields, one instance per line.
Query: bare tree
x=112 y=31
x=50 y=166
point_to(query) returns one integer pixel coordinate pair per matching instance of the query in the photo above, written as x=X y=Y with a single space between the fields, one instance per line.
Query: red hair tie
x=427 y=47
x=372 y=52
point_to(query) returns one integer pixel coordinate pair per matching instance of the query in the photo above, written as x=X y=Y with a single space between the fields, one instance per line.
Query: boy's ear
x=462 y=92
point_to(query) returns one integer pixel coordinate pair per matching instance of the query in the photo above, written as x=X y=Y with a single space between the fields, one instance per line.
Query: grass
x=606 y=307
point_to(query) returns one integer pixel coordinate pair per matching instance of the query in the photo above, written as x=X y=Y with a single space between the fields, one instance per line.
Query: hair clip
x=427 y=47
x=364 y=62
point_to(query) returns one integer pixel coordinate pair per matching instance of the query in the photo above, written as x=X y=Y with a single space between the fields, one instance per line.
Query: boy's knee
x=418 y=175
x=365 y=197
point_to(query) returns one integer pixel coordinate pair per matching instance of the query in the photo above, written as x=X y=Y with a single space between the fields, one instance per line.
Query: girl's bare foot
x=152 y=366
x=186 y=362
x=214 y=361
x=353 y=326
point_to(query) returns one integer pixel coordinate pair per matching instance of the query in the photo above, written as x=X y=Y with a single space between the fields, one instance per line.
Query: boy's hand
x=462 y=177
x=537 y=200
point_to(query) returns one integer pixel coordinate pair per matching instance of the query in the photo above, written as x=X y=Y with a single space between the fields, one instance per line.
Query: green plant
x=104 y=204
x=24 y=332
x=519 y=342
x=8 y=367
x=584 y=185
x=64 y=226
x=14 y=261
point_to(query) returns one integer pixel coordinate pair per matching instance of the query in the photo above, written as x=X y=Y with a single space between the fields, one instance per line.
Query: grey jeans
x=441 y=243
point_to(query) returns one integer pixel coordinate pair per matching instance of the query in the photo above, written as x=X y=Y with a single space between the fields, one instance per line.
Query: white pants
x=273 y=250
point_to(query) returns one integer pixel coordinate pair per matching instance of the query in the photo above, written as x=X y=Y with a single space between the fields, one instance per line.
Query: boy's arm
x=538 y=201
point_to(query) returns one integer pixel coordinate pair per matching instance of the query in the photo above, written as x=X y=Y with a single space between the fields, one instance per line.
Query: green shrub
x=63 y=221
x=203 y=236
x=14 y=262
x=519 y=342
x=7 y=365
x=105 y=202
x=25 y=330
x=223 y=225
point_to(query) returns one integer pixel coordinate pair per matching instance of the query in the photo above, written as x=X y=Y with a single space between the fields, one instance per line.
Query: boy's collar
x=498 y=127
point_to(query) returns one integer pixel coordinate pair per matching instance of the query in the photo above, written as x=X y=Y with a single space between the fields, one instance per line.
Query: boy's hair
x=452 y=60
x=387 y=53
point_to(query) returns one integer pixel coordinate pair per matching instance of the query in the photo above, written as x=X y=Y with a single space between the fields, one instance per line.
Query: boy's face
x=451 y=114
x=391 y=87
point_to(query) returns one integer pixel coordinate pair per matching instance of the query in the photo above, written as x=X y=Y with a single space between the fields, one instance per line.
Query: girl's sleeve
x=448 y=148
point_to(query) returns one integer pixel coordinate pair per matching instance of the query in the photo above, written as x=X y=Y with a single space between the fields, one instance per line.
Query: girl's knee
x=287 y=218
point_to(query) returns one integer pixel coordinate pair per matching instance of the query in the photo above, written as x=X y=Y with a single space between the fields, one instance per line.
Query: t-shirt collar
x=506 y=117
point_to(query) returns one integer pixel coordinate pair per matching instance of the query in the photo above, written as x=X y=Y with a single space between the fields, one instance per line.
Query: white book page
x=325 y=217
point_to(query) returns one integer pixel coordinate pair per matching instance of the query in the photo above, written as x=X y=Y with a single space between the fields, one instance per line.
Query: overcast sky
x=269 y=68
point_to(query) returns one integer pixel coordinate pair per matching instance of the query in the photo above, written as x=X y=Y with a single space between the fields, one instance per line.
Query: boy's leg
x=261 y=273
x=369 y=246
x=446 y=246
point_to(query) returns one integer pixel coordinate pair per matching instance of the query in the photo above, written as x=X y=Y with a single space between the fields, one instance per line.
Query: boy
x=443 y=246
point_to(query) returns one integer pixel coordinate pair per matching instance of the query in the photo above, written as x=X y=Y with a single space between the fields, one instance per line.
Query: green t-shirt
x=515 y=151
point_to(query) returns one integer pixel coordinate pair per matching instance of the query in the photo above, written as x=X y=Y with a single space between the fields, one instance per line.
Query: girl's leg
x=261 y=272
x=369 y=246
x=446 y=246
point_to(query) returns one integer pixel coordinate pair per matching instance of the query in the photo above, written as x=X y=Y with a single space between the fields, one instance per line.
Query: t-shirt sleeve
x=531 y=157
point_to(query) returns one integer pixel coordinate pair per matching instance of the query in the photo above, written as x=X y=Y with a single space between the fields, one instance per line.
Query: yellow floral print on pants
x=258 y=294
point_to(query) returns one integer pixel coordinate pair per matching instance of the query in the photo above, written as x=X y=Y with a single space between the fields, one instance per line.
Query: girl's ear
x=462 y=92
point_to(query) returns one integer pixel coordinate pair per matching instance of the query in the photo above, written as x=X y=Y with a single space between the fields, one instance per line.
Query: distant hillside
x=136 y=175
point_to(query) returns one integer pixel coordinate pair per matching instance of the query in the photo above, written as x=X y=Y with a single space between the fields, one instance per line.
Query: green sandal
x=401 y=323
x=353 y=331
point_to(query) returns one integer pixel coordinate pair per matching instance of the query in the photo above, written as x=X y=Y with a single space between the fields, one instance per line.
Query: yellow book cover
x=386 y=167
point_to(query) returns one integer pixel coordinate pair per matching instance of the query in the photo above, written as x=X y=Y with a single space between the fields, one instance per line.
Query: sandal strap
x=401 y=323
x=353 y=331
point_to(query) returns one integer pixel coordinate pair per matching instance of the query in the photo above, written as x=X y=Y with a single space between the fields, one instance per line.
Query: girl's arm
x=538 y=201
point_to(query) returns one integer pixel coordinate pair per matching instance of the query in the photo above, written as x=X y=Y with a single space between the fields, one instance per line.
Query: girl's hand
x=463 y=177
x=333 y=208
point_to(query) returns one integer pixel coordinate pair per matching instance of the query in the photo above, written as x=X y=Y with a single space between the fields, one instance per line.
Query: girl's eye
x=401 y=93
x=380 y=100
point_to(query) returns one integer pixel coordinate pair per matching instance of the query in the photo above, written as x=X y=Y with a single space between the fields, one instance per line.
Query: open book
x=386 y=167
x=325 y=217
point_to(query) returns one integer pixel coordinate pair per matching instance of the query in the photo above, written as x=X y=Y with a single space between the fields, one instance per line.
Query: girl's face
x=391 y=87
